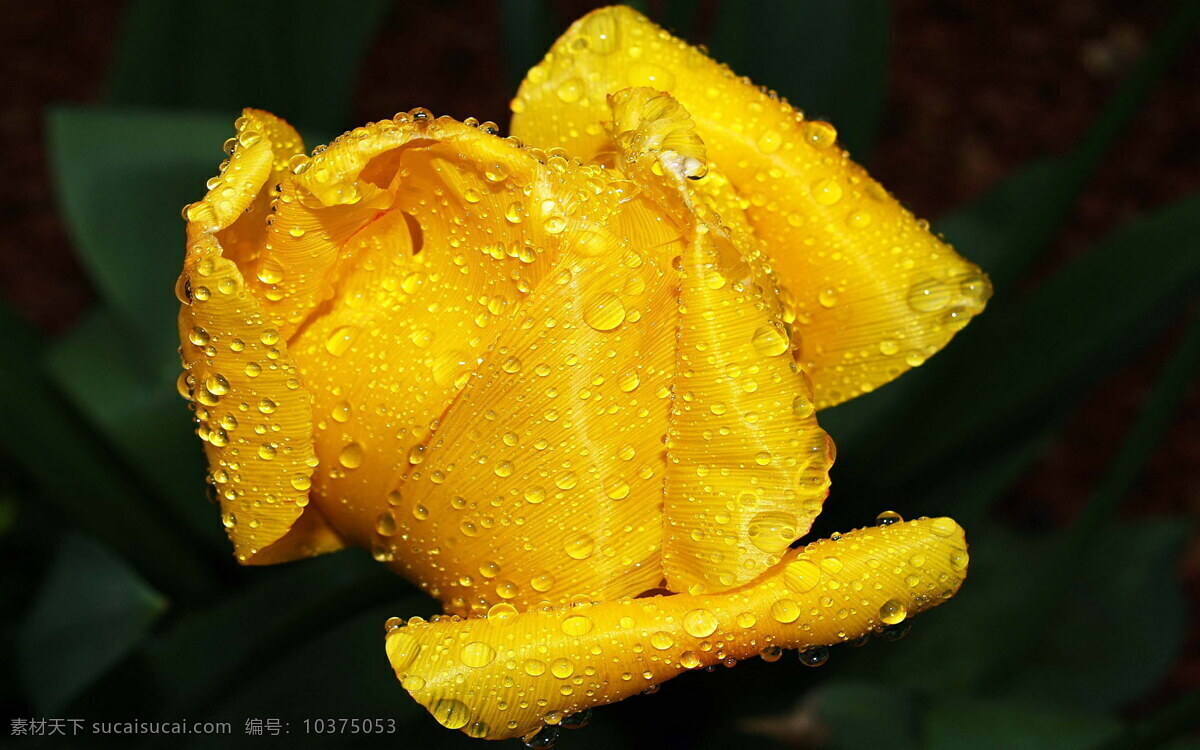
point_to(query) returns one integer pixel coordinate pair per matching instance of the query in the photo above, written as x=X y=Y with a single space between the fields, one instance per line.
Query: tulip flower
x=568 y=388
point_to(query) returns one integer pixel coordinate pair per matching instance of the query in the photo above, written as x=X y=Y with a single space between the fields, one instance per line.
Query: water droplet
x=772 y=531
x=958 y=560
x=616 y=489
x=827 y=191
x=893 y=612
x=929 y=295
x=198 y=336
x=815 y=656
x=477 y=654
x=661 y=640
x=602 y=32
x=771 y=654
x=339 y=341
x=216 y=384
x=495 y=173
x=507 y=589
x=535 y=667
x=819 y=134
x=451 y=713
x=895 y=632
x=888 y=517
x=785 y=611
x=604 y=311
x=771 y=339
x=351 y=456
x=570 y=90
x=566 y=481
x=341 y=412
x=803 y=407
x=577 y=720
x=700 y=623
x=944 y=527
x=801 y=575
x=535 y=494
x=579 y=546
x=385 y=523
x=831 y=565
x=562 y=668
x=576 y=625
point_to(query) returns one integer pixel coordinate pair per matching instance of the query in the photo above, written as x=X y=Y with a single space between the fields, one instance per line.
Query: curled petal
x=747 y=465
x=506 y=674
x=873 y=291
x=252 y=412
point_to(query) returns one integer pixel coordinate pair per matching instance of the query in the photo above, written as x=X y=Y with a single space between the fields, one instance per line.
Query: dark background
x=971 y=92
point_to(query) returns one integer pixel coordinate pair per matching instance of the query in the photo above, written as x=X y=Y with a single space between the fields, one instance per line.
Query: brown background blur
x=976 y=89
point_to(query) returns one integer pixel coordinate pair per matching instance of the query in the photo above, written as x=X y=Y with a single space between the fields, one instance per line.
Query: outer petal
x=507 y=674
x=253 y=414
x=874 y=291
x=748 y=467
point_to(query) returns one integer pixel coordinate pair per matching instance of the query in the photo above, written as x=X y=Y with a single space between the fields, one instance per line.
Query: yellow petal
x=544 y=480
x=252 y=412
x=239 y=199
x=747 y=464
x=456 y=230
x=506 y=674
x=872 y=291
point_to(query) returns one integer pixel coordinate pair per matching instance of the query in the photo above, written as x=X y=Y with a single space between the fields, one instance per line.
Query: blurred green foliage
x=132 y=606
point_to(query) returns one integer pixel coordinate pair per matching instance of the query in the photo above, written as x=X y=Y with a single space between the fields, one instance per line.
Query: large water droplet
x=604 y=311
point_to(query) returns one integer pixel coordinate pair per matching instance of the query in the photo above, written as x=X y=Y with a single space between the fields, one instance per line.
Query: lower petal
x=507 y=674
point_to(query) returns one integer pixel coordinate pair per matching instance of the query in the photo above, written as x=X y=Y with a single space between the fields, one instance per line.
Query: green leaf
x=298 y=59
x=73 y=468
x=139 y=412
x=1158 y=410
x=955 y=724
x=527 y=36
x=988 y=230
x=210 y=653
x=122 y=178
x=349 y=656
x=864 y=714
x=828 y=57
x=91 y=612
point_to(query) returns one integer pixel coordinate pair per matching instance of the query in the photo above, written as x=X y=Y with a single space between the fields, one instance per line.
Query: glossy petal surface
x=747 y=464
x=502 y=675
x=253 y=413
x=871 y=290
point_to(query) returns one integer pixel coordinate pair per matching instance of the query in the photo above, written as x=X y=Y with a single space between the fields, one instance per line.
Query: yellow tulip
x=569 y=391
